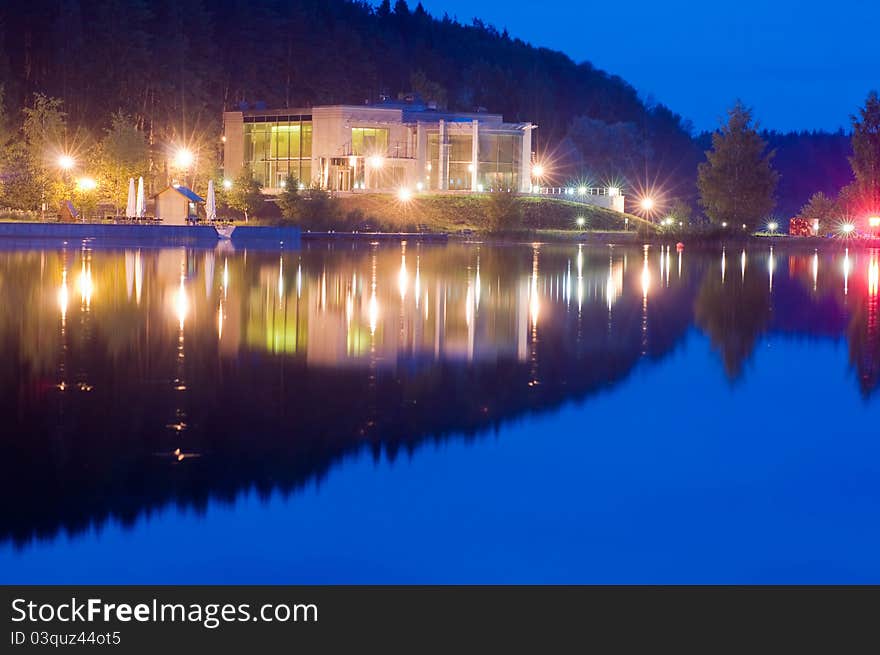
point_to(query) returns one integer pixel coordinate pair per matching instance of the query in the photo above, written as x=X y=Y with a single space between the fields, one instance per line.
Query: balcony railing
x=396 y=150
x=575 y=192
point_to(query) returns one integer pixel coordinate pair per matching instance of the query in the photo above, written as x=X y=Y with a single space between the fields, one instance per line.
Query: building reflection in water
x=288 y=360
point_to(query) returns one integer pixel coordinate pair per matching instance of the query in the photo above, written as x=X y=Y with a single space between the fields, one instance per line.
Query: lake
x=461 y=413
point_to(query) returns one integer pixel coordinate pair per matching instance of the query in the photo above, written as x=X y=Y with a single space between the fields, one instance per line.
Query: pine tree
x=737 y=182
x=865 y=160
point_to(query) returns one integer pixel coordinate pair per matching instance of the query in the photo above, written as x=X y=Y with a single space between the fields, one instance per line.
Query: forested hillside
x=170 y=67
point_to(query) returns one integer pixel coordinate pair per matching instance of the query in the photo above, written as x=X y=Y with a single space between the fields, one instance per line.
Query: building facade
x=380 y=147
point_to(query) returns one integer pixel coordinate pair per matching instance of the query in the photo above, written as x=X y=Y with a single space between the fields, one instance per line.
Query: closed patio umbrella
x=141 y=202
x=131 y=205
x=211 y=203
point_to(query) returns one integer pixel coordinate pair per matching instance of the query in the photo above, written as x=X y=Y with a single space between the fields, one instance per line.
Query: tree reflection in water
x=184 y=375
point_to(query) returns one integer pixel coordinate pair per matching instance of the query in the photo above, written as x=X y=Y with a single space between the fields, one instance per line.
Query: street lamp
x=66 y=162
x=647 y=204
x=183 y=158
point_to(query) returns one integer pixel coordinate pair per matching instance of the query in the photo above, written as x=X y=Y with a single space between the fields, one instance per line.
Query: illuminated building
x=379 y=147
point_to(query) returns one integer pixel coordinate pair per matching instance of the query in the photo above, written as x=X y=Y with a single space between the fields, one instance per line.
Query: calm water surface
x=439 y=414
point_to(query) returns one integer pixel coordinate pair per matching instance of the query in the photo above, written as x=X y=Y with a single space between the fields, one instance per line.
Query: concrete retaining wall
x=158 y=234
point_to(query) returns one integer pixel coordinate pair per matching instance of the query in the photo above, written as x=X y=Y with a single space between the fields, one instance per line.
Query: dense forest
x=170 y=67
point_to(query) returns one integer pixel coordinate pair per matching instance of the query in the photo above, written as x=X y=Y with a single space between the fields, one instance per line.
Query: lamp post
x=183 y=161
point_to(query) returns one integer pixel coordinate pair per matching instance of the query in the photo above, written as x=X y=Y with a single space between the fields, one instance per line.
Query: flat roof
x=409 y=112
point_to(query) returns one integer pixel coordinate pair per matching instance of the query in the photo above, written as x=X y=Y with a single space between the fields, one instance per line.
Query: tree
x=429 y=90
x=503 y=211
x=316 y=210
x=122 y=154
x=289 y=199
x=737 y=181
x=681 y=212
x=821 y=208
x=733 y=315
x=865 y=160
x=607 y=150
x=246 y=195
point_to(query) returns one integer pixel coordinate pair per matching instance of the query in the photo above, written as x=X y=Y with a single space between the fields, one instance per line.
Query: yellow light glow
x=376 y=161
x=86 y=184
x=874 y=221
x=404 y=194
x=373 y=311
x=647 y=204
x=537 y=170
x=181 y=302
x=403 y=278
x=183 y=158
x=66 y=162
x=227 y=184
x=85 y=285
x=63 y=295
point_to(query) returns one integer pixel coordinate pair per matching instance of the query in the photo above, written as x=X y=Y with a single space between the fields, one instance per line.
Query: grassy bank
x=453 y=213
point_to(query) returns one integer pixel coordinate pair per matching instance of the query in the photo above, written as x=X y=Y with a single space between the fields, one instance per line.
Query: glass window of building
x=274 y=150
x=499 y=161
x=366 y=141
x=460 y=162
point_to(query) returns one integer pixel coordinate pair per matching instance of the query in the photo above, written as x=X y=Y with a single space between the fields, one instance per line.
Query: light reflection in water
x=815 y=269
x=181 y=302
x=403 y=275
x=847 y=266
x=534 y=300
x=84 y=282
x=502 y=316
x=63 y=295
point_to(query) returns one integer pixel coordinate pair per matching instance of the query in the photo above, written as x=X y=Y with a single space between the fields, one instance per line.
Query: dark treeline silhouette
x=174 y=66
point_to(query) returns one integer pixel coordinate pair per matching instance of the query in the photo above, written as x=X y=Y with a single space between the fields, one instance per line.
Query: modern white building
x=381 y=147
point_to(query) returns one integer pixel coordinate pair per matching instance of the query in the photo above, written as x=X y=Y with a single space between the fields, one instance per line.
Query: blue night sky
x=800 y=64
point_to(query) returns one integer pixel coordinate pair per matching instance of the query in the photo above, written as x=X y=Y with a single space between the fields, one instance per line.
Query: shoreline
x=25 y=234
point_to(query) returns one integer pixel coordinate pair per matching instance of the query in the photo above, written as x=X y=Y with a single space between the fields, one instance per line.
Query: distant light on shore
x=86 y=184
